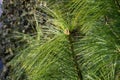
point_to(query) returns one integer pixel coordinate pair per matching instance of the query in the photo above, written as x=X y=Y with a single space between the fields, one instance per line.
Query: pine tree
x=80 y=41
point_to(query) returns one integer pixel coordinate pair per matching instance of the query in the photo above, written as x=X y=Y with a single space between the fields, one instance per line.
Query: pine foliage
x=80 y=41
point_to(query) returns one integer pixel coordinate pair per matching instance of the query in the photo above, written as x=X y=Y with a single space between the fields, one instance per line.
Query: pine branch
x=71 y=40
